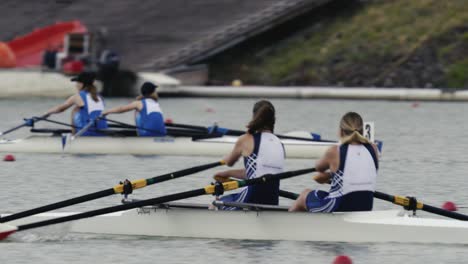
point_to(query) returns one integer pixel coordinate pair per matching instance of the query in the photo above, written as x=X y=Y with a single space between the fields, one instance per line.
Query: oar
x=27 y=122
x=187 y=132
x=233 y=132
x=216 y=189
x=57 y=122
x=115 y=190
x=201 y=128
x=85 y=128
x=409 y=203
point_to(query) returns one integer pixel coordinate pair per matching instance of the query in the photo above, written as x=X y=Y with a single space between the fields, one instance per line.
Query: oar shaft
x=12 y=129
x=61 y=204
x=85 y=128
x=200 y=128
x=22 y=125
x=58 y=123
x=186 y=131
x=210 y=189
x=116 y=189
x=169 y=176
x=113 y=209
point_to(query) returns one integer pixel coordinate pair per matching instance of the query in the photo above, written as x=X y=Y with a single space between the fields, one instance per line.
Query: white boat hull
x=180 y=146
x=375 y=226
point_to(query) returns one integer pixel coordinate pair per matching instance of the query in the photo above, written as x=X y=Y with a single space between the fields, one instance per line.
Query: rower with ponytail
x=263 y=117
x=88 y=105
x=350 y=168
x=263 y=153
x=351 y=129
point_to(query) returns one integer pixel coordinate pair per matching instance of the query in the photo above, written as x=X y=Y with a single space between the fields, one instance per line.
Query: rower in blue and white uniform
x=149 y=119
x=351 y=168
x=263 y=153
x=88 y=105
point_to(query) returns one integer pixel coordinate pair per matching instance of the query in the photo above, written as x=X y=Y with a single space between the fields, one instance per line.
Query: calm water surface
x=424 y=155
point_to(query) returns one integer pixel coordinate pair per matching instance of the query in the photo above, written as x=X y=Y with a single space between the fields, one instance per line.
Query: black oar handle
x=289 y=195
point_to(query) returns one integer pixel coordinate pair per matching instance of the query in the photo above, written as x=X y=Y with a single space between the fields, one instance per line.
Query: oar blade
x=6 y=230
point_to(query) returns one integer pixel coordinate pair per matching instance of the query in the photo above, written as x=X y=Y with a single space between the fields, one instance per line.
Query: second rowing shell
x=171 y=146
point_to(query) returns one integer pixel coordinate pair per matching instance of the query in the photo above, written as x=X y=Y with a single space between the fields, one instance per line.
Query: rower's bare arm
x=60 y=108
x=323 y=164
x=236 y=152
x=122 y=109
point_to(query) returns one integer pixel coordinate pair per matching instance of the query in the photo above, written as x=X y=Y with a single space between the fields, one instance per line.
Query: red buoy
x=168 y=121
x=342 y=259
x=9 y=157
x=450 y=206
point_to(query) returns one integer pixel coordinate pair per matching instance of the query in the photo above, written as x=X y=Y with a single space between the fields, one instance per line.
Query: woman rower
x=263 y=153
x=351 y=168
x=149 y=118
x=88 y=105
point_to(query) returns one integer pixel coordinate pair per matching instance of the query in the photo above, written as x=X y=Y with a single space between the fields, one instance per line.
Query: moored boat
x=269 y=223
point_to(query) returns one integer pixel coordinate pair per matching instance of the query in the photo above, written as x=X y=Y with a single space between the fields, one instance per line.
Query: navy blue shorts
x=317 y=201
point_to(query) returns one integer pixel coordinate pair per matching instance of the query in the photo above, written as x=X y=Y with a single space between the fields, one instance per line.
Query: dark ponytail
x=93 y=91
x=263 y=117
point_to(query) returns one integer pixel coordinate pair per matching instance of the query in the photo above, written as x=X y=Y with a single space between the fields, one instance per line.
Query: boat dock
x=405 y=94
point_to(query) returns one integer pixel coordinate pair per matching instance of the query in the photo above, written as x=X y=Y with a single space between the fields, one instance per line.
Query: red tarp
x=28 y=49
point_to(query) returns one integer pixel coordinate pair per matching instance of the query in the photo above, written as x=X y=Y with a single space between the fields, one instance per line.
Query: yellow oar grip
x=228 y=186
x=222 y=162
x=137 y=184
x=404 y=201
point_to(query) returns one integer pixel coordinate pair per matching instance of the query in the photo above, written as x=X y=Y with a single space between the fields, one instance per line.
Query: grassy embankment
x=417 y=43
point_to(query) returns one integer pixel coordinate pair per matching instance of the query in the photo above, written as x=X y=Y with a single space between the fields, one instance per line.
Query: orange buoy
x=7 y=57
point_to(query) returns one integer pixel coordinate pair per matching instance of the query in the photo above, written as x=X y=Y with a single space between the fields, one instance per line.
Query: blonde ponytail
x=351 y=126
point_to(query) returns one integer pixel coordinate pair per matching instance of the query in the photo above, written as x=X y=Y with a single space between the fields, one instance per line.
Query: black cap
x=85 y=78
x=148 y=88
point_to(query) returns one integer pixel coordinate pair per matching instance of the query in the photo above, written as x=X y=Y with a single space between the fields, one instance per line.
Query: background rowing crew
x=89 y=109
x=350 y=168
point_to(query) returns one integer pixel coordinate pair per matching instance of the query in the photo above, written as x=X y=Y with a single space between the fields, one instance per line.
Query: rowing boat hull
x=376 y=226
x=180 y=146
